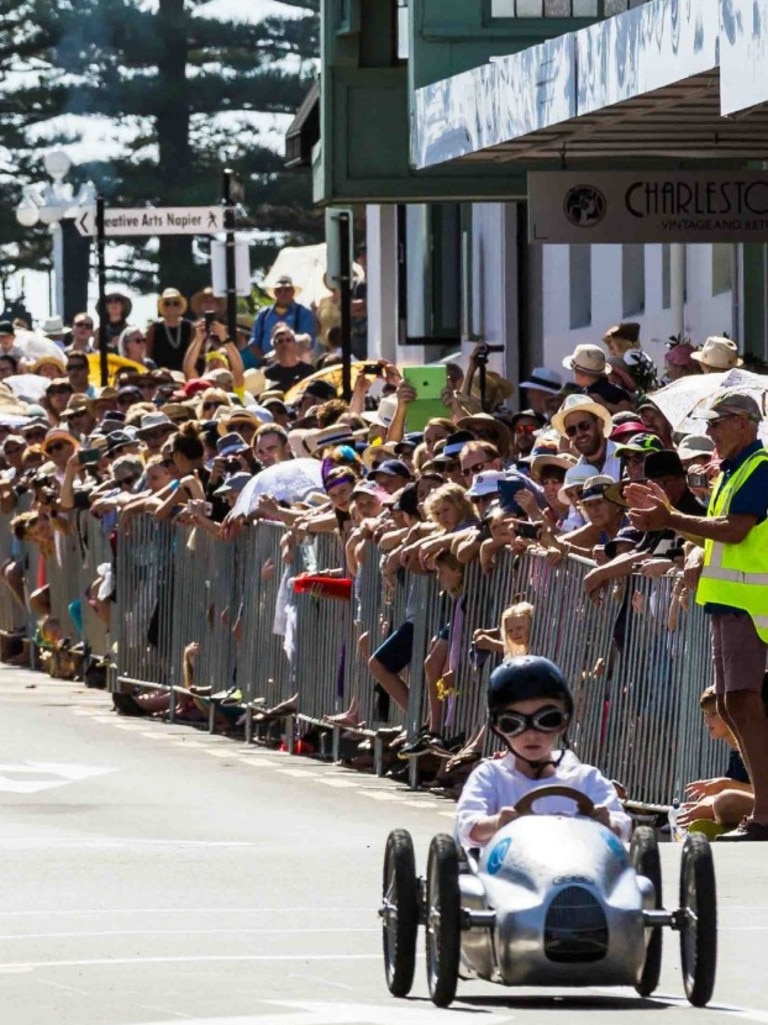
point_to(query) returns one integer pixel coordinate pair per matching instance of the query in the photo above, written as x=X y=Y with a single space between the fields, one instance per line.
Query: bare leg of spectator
x=434 y=666
x=393 y=684
x=743 y=711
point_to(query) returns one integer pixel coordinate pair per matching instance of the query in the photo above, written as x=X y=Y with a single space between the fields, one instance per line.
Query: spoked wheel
x=400 y=912
x=443 y=920
x=644 y=855
x=698 y=911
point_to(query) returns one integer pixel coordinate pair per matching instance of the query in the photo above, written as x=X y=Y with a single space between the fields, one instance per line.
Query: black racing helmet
x=524 y=677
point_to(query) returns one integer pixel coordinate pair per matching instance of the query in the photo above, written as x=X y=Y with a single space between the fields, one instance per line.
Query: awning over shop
x=640 y=88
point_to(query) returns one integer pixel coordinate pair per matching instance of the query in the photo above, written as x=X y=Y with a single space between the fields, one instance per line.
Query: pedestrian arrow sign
x=154 y=220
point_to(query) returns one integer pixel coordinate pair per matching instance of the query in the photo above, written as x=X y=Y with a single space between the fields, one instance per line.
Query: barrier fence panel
x=323 y=640
x=12 y=616
x=267 y=615
x=144 y=577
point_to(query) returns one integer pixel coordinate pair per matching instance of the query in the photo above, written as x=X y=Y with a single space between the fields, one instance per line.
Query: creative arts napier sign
x=676 y=206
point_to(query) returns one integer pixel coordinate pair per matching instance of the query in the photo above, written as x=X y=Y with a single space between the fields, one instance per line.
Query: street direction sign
x=154 y=220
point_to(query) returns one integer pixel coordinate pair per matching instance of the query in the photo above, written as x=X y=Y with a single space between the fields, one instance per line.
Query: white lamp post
x=49 y=203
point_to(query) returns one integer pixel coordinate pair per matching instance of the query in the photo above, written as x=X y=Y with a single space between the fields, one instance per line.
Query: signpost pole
x=345 y=300
x=101 y=271
x=229 y=253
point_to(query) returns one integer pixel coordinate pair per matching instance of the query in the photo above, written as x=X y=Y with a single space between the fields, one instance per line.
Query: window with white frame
x=632 y=280
x=580 y=285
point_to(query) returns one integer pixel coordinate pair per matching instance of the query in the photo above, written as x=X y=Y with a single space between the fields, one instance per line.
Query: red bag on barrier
x=338 y=588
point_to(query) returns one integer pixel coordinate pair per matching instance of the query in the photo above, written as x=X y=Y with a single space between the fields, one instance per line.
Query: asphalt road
x=151 y=873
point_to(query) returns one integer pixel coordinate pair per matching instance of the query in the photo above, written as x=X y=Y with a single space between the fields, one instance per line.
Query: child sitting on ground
x=529 y=708
x=716 y=805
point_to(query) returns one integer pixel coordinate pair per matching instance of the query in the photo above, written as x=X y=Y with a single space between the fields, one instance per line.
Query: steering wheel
x=586 y=807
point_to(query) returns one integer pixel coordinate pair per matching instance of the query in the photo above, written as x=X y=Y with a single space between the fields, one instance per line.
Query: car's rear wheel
x=698 y=909
x=443 y=920
x=644 y=855
x=400 y=912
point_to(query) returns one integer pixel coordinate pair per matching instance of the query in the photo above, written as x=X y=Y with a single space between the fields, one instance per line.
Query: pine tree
x=164 y=76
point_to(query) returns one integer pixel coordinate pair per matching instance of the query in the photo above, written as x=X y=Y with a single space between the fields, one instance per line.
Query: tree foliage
x=190 y=95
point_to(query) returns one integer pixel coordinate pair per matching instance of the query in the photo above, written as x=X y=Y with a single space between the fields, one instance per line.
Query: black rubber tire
x=698 y=937
x=443 y=920
x=644 y=855
x=401 y=924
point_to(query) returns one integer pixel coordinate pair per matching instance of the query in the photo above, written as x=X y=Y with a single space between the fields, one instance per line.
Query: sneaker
x=746 y=830
x=420 y=745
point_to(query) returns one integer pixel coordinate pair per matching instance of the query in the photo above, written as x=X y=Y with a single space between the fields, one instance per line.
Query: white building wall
x=704 y=313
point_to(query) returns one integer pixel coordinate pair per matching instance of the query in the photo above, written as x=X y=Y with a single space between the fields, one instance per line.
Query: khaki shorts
x=738 y=653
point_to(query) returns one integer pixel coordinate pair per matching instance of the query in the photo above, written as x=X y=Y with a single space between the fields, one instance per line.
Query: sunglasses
x=211 y=405
x=283 y=338
x=135 y=338
x=171 y=302
x=57 y=446
x=525 y=428
x=76 y=366
x=545 y=720
x=84 y=323
x=582 y=427
x=60 y=391
x=127 y=482
x=476 y=468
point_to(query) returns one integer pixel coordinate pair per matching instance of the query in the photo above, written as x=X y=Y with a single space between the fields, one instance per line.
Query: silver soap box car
x=552 y=901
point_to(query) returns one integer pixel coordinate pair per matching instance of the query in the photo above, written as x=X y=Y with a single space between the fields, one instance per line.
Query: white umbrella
x=684 y=398
x=306 y=266
x=29 y=387
x=290 y=481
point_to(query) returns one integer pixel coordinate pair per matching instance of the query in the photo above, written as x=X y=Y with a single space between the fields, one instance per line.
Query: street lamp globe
x=27 y=212
x=57 y=163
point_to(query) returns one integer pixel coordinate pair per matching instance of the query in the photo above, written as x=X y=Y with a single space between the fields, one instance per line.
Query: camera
x=209 y=316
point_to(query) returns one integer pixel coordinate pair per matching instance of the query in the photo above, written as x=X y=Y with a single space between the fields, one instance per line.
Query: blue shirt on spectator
x=299 y=318
x=751 y=499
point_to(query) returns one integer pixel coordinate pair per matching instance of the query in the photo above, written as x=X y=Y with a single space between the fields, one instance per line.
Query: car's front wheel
x=443 y=920
x=644 y=855
x=698 y=910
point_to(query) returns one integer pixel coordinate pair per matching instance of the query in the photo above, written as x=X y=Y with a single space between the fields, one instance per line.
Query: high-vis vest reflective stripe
x=737 y=574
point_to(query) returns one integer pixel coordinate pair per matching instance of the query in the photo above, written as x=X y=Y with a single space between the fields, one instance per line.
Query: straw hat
x=718 y=353
x=582 y=404
x=284 y=281
x=205 y=299
x=588 y=358
x=485 y=422
x=172 y=294
x=59 y=434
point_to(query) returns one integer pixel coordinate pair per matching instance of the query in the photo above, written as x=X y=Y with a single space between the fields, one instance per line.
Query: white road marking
x=108 y=912
x=340 y=784
x=32 y=777
x=379 y=795
x=747 y=1013
x=117 y=962
x=82 y=934
x=299 y=773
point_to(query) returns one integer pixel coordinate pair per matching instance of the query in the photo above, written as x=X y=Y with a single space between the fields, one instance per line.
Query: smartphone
x=89 y=455
x=373 y=369
x=530 y=531
x=209 y=317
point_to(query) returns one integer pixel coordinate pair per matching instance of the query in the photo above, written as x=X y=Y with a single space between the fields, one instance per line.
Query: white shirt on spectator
x=612 y=464
x=496 y=783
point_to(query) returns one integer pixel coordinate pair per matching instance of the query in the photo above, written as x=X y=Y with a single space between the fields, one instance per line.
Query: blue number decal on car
x=497 y=855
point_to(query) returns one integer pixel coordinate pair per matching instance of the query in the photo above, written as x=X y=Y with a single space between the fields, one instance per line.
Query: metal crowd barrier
x=636 y=682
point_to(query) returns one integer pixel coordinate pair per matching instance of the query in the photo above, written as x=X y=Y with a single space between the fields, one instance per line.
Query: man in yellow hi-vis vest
x=728 y=568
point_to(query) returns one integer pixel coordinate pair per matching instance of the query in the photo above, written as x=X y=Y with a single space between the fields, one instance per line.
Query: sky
x=103 y=136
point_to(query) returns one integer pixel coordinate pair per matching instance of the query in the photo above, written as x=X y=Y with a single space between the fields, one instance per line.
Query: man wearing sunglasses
x=587 y=426
x=529 y=709
x=300 y=319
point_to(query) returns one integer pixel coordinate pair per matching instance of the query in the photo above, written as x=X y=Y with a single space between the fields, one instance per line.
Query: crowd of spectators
x=192 y=418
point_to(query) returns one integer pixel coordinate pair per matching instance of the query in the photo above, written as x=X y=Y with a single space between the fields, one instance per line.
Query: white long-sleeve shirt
x=496 y=783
